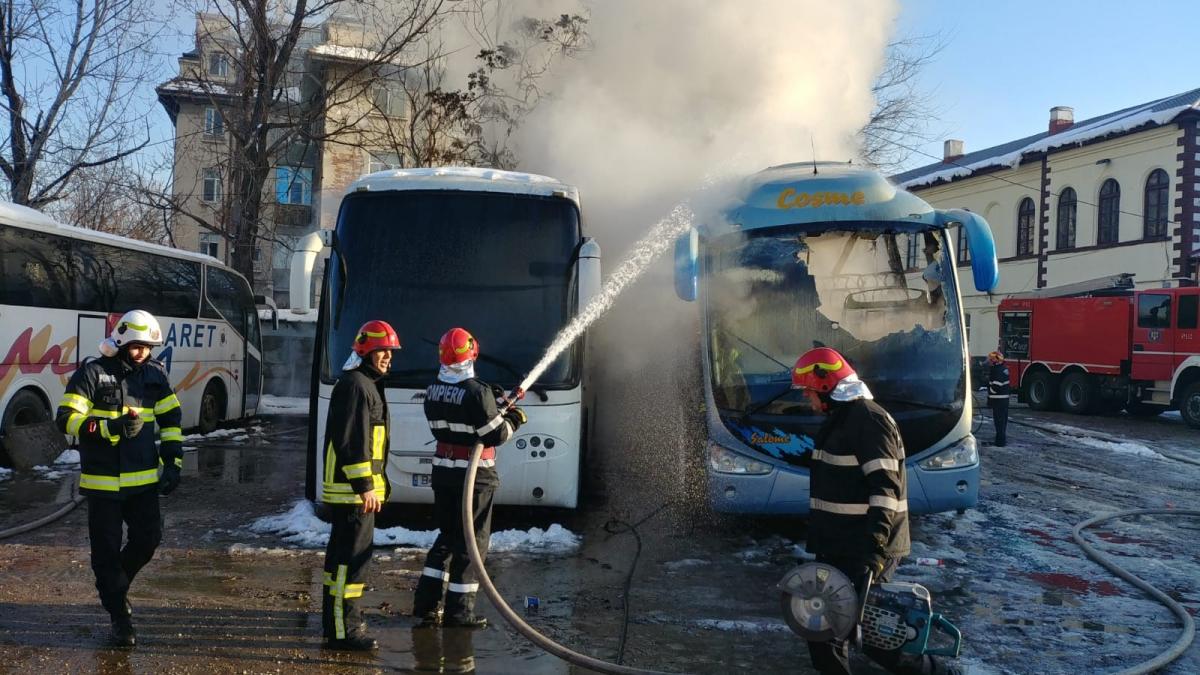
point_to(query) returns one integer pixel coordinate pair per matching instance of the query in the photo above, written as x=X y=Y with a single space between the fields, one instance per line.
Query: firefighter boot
x=427 y=599
x=467 y=621
x=123 y=634
x=353 y=643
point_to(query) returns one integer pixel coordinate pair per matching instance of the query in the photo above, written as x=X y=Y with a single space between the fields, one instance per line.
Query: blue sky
x=1007 y=63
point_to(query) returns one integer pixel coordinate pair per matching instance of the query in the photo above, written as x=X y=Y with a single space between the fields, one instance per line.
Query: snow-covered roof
x=1010 y=154
x=344 y=52
x=191 y=87
x=23 y=216
x=465 y=178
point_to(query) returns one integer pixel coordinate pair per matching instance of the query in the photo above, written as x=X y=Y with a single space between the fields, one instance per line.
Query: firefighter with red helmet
x=354 y=481
x=998 y=395
x=858 y=495
x=117 y=405
x=462 y=411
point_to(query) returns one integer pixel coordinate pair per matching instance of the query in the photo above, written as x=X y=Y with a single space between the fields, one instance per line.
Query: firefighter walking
x=354 y=482
x=858 y=496
x=461 y=411
x=113 y=404
x=998 y=396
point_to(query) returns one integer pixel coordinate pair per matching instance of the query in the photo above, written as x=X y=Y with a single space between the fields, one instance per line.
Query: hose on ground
x=76 y=499
x=530 y=633
x=1189 y=626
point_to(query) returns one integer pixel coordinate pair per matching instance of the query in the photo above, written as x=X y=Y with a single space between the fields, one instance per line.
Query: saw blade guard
x=819 y=602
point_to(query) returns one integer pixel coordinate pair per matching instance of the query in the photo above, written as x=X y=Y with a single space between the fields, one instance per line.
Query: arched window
x=964 y=250
x=1068 y=206
x=1025 y=227
x=1109 y=222
x=1154 y=213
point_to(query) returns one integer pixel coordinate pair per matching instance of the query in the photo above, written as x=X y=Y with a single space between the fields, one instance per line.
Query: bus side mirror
x=687 y=272
x=984 y=266
x=589 y=271
x=303 y=260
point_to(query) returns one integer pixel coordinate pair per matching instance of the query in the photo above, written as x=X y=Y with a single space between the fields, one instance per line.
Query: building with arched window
x=1116 y=194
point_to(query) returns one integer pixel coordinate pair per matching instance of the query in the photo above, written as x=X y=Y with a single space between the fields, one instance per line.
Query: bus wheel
x=1078 y=394
x=1189 y=405
x=1041 y=391
x=212 y=406
x=26 y=407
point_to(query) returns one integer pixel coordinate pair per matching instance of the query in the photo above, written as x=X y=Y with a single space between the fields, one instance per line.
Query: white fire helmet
x=137 y=325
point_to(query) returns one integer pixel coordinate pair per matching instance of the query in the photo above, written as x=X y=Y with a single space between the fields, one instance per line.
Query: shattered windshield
x=886 y=300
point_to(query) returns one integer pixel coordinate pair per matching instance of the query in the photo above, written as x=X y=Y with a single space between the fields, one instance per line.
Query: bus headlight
x=962 y=453
x=722 y=460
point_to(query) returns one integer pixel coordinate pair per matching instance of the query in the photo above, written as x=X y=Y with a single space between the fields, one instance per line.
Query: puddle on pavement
x=28 y=495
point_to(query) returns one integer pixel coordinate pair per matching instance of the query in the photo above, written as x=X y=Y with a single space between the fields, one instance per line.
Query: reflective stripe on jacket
x=101 y=391
x=356 y=439
x=998 y=386
x=461 y=414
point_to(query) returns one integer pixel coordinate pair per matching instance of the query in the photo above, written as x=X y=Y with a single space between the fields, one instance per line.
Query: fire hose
x=506 y=611
x=76 y=500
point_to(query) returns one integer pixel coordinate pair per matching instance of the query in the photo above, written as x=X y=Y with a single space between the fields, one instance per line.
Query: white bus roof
x=23 y=216
x=469 y=179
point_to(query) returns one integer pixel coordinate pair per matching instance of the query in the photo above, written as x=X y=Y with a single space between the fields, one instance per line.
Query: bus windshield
x=498 y=264
x=886 y=300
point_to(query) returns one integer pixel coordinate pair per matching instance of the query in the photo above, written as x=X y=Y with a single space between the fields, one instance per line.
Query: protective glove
x=516 y=417
x=130 y=425
x=169 y=480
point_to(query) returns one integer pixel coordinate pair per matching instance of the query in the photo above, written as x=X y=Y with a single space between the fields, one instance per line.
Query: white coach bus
x=499 y=253
x=62 y=288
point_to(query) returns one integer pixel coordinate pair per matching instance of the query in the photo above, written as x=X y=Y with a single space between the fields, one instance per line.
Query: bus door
x=1153 y=338
x=90 y=330
x=252 y=361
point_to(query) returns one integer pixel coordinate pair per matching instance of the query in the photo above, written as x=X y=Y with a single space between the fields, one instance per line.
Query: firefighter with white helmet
x=461 y=410
x=858 y=492
x=354 y=481
x=114 y=404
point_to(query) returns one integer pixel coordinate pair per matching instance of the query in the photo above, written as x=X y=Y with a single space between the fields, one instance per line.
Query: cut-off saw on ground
x=821 y=604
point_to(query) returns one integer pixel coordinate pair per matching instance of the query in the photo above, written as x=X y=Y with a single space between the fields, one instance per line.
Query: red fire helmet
x=820 y=369
x=456 y=346
x=375 y=335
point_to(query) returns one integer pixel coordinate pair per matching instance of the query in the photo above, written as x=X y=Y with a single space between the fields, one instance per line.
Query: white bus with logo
x=501 y=254
x=62 y=288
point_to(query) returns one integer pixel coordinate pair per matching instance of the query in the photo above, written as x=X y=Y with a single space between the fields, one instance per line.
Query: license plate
x=420 y=480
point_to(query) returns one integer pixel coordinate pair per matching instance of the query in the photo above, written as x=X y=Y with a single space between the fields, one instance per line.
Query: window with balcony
x=210 y=244
x=1068 y=208
x=384 y=161
x=293 y=185
x=218 y=64
x=1109 y=221
x=1025 y=213
x=1154 y=213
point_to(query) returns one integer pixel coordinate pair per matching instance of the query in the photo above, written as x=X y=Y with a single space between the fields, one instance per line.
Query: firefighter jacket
x=356 y=439
x=858 y=489
x=997 y=382
x=460 y=415
x=101 y=391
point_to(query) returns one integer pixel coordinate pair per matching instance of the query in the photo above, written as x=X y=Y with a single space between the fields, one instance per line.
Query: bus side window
x=34 y=269
x=228 y=297
x=115 y=279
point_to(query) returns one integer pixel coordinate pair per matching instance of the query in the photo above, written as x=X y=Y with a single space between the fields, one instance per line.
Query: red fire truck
x=1140 y=352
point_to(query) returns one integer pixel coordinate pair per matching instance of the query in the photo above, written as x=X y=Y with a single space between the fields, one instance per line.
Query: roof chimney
x=1061 y=118
x=952 y=149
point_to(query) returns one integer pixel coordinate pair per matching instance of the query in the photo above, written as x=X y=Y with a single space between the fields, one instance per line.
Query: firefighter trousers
x=833 y=657
x=999 y=408
x=447 y=561
x=116 y=566
x=347 y=557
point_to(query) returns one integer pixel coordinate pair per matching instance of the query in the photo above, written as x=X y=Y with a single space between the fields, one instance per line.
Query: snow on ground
x=743 y=626
x=225 y=434
x=282 y=405
x=46 y=473
x=301 y=526
x=1082 y=436
x=5 y=474
x=677 y=565
x=69 y=456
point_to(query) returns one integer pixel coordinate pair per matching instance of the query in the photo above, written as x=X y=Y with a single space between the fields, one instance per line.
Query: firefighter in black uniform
x=858 y=496
x=354 y=482
x=998 y=395
x=112 y=404
x=461 y=411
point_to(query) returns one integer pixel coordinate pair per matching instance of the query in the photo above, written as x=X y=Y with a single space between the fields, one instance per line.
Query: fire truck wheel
x=1189 y=405
x=1078 y=394
x=1041 y=391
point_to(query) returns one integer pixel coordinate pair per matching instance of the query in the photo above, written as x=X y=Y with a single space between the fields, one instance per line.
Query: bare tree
x=903 y=110
x=109 y=199
x=67 y=73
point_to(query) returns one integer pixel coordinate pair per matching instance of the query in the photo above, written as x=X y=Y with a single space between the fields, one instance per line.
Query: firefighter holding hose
x=462 y=411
